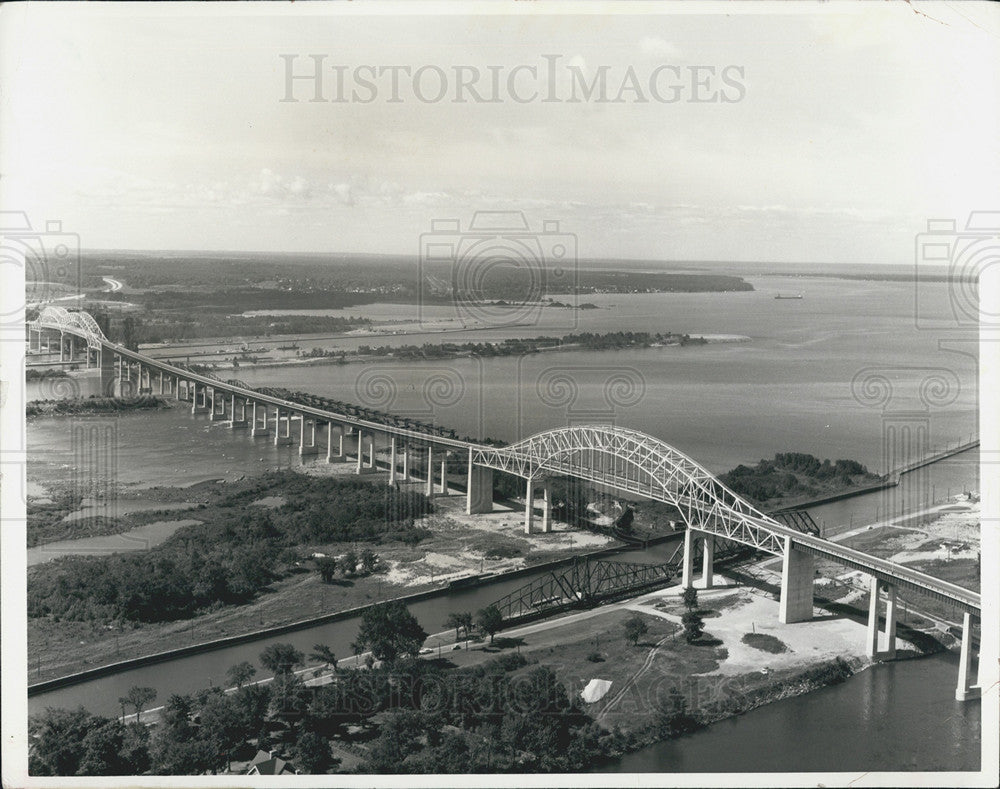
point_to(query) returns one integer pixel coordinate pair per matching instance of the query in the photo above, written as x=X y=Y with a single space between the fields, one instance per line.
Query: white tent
x=595 y=690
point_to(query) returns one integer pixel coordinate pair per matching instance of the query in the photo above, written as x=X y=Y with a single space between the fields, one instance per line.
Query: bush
x=595 y=657
x=765 y=643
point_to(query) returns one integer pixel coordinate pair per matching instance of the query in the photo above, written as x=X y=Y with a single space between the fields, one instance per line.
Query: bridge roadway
x=622 y=459
x=319 y=414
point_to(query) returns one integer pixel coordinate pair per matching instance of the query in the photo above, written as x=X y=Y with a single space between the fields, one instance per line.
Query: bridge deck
x=667 y=475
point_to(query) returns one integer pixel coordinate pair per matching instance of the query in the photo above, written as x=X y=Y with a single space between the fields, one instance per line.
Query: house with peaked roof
x=265 y=763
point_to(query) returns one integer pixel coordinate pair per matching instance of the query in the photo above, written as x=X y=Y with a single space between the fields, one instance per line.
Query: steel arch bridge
x=619 y=458
x=79 y=323
x=633 y=462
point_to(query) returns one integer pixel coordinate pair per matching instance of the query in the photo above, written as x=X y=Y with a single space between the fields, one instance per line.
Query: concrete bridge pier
x=392 y=460
x=966 y=688
x=262 y=430
x=687 y=567
x=529 y=505
x=707 y=559
x=479 y=489
x=242 y=422
x=307 y=448
x=107 y=365
x=335 y=450
x=348 y=443
x=282 y=438
x=444 y=474
x=707 y=562
x=873 y=647
x=404 y=474
x=429 y=490
x=547 y=507
x=196 y=407
x=797 y=574
x=362 y=464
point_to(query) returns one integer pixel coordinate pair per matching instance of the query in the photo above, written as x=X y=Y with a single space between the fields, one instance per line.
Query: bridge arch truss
x=633 y=462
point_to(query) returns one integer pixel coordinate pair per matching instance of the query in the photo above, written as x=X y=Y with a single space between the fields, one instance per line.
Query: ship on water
x=796 y=296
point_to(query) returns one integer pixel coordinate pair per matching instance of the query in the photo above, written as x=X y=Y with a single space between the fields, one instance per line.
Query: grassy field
x=57 y=648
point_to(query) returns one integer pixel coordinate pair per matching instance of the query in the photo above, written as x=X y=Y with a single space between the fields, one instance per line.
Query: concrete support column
x=797 y=576
x=329 y=442
x=371 y=453
x=309 y=448
x=529 y=505
x=405 y=473
x=194 y=397
x=444 y=474
x=218 y=415
x=547 y=507
x=479 y=490
x=890 y=622
x=707 y=560
x=361 y=452
x=430 y=472
x=280 y=439
x=242 y=421
x=871 y=641
x=106 y=362
x=687 y=569
x=966 y=689
x=392 y=460
x=62 y=347
x=258 y=429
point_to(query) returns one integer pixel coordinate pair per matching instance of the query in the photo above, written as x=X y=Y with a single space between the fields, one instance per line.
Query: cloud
x=275 y=185
x=653 y=47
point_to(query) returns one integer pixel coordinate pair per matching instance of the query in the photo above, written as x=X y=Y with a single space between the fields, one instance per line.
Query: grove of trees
x=230 y=558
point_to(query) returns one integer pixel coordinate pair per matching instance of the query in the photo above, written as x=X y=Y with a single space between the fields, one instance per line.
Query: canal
x=893 y=716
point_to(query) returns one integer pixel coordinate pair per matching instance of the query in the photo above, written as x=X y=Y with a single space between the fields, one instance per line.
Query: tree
x=369 y=560
x=221 y=724
x=399 y=737
x=281 y=658
x=311 y=753
x=252 y=703
x=241 y=673
x=466 y=622
x=690 y=598
x=289 y=696
x=349 y=563
x=139 y=697
x=635 y=628
x=56 y=738
x=326 y=566
x=456 y=620
x=102 y=750
x=673 y=718
x=323 y=654
x=176 y=716
x=694 y=626
x=490 y=620
x=390 y=630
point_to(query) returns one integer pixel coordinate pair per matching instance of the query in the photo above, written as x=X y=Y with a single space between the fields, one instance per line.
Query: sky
x=824 y=133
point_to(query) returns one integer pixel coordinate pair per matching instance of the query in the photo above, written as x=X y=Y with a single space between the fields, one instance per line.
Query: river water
x=787 y=388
